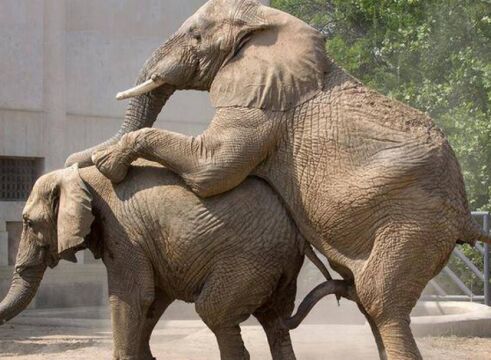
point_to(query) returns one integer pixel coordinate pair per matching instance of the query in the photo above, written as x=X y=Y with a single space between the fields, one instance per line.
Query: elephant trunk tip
x=22 y=290
x=79 y=158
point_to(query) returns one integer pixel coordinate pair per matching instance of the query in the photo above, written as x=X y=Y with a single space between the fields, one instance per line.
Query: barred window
x=17 y=176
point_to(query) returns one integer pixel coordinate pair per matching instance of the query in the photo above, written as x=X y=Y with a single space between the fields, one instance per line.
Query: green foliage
x=467 y=276
x=432 y=54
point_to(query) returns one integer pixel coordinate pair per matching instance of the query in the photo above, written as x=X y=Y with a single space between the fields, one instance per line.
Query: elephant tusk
x=141 y=89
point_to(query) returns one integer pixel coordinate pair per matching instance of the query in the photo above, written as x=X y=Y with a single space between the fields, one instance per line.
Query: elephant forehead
x=41 y=192
x=36 y=208
x=211 y=12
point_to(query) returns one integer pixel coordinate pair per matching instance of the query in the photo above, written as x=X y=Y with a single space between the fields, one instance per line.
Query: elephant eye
x=195 y=34
x=197 y=37
x=45 y=247
x=27 y=221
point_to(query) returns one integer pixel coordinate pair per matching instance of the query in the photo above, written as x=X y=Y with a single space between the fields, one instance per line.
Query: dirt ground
x=191 y=340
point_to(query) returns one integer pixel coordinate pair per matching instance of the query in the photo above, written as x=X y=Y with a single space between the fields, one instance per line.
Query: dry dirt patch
x=22 y=342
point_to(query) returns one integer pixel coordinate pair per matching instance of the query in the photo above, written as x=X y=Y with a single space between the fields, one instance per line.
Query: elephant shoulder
x=244 y=118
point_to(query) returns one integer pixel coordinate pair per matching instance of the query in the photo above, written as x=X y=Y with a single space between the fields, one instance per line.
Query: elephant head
x=242 y=52
x=56 y=219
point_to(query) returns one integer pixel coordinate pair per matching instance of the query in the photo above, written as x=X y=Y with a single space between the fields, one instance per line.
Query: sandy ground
x=192 y=340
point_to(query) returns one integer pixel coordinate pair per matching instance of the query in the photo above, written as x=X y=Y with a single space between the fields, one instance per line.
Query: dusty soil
x=191 y=340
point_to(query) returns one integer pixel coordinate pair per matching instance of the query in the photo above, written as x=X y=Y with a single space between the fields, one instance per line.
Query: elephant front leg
x=131 y=294
x=128 y=322
x=212 y=163
x=170 y=149
x=153 y=315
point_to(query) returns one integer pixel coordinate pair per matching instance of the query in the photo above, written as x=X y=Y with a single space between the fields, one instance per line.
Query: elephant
x=232 y=255
x=371 y=183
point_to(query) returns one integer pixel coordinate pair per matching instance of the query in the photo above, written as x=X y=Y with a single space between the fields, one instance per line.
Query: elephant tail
x=473 y=232
x=309 y=252
x=337 y=287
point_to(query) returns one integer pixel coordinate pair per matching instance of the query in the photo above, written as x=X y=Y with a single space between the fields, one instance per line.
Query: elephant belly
x=247 y=225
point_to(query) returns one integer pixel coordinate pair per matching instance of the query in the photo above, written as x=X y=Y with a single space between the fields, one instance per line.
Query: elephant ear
x=74 y=213
x=280 y=64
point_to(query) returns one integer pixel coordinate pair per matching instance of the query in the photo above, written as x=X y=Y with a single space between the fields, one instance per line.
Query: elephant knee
x=212 y=313
x=203 y=185
x=146 y=301
x=211 y=179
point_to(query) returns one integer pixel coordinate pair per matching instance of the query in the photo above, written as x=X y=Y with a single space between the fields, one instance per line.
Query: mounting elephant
x=372 y=183
x=233 y=255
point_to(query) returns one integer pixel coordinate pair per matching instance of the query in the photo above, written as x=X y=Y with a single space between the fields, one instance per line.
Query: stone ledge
x=452 y=318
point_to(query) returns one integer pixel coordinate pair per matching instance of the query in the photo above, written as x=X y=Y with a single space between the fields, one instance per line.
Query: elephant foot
x=113 y=162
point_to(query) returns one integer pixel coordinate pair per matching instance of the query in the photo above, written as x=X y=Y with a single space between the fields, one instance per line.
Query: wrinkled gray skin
x=371 y=183
x=233 y=255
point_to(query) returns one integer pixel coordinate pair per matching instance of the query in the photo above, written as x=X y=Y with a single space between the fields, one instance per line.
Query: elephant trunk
x=22 y=290
x=142 y=112
x=144 y=108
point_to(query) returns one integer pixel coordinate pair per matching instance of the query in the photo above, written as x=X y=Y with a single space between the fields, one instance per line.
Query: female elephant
x=234 y=255
x=371 y=183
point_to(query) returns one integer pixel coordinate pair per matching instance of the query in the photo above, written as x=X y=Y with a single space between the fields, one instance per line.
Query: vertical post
x=485 y=225
x=4 y=244
x=54 y=83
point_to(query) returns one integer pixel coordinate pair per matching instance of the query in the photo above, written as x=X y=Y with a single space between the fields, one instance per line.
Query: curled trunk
x=21 y=292
x=142 y=112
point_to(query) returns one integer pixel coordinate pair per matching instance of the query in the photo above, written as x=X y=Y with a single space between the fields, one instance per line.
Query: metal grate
x=484 y=276
x=17 y=176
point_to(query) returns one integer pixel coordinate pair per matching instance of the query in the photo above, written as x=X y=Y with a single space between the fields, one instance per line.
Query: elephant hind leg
x=375 y=332
x=226 y=329
x=398 y=339
x=272 y=320
x=277 y=334
x=154 y=313
x=390 y=326
x=406 y=255
x=230 y=343
x=225 y=301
